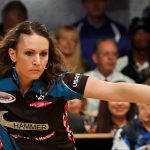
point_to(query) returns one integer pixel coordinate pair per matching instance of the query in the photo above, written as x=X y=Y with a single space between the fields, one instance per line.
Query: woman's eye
x=29 y=53
x=44 y=54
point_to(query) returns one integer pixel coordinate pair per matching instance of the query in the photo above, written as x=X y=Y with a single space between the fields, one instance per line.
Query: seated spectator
x=136 y=134
x=67 y=39
x=136 y=65
x=105 y=57
x=76 y=106
x=96 y=25
x=75 y=116
x=113 y=115
x=12 y=14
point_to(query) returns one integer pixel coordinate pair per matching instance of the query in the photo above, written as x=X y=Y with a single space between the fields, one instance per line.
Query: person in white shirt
x=105 y=57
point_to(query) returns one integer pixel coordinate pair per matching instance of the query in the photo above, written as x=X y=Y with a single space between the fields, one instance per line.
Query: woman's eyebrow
x=29 y=49
x=35 y=50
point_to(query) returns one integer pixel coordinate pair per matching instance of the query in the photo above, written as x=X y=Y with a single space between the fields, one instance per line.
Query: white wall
x=137 y=6
x=55 y=13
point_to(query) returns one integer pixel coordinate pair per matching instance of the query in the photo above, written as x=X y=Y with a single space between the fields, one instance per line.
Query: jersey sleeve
x=75 y=83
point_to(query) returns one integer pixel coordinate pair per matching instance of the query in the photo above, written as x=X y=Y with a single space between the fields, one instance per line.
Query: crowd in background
x=103 y=48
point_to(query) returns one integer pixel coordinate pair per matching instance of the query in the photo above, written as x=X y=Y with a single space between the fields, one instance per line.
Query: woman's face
x=67 y=42
x=144 y=112
x=118 y=109
x=30 y=56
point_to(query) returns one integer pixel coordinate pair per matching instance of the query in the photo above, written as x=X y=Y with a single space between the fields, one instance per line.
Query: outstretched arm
x=117 y=91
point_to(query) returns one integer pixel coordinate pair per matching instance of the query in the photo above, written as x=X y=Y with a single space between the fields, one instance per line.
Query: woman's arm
x=117 y=91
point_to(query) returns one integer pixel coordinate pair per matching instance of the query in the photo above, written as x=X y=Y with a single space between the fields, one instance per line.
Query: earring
x=47 y=66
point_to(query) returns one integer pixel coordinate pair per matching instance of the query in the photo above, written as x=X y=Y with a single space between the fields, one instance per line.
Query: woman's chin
x=34 y=77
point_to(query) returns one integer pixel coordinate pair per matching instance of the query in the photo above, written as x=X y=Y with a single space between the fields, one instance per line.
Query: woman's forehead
x=33 y=41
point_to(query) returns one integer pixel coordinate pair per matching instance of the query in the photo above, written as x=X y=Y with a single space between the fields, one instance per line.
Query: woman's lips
x=120 y=109
x=35 y=71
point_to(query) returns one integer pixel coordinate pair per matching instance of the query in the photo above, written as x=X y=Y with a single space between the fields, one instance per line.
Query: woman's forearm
x=117 y=91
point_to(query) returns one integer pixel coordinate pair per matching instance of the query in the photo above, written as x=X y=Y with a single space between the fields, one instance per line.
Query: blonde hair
x=76 y=60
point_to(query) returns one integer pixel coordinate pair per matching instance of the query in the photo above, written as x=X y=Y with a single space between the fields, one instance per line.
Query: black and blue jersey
x=38 y=119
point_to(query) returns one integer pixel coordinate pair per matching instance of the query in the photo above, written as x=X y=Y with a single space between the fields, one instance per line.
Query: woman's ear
x=12 y=54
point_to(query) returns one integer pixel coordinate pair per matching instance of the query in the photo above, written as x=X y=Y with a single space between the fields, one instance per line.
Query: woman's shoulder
x=7 y=84
x=69 y=85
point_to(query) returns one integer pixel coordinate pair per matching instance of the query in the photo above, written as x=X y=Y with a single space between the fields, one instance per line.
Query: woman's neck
x=119 y=121
x=147 y=126
x=24 y=85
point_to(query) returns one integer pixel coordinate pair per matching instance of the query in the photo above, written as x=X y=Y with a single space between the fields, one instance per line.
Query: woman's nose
x=37 y=60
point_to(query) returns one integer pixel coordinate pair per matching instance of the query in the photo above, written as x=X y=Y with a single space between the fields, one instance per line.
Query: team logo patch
x=40 y=104
x=6 y=97
x=76 y=80
x=22 y=125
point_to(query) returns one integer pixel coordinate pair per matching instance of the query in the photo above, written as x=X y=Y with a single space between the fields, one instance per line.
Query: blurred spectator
x=76 y=106
x=76 y=123
x=136 y=65
x=96 y=25
x=76 y=111
x=75 y=116
x=13 y=13
x=135 y=135
x=105 y=57
x=113 y=115
x=67 y=38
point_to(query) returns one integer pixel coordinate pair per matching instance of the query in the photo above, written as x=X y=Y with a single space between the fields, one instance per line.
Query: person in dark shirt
x=76 y=123
x=13 y=13
x=35 y=88
x=76 y=115
x=96 y=25
x=136 y=64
